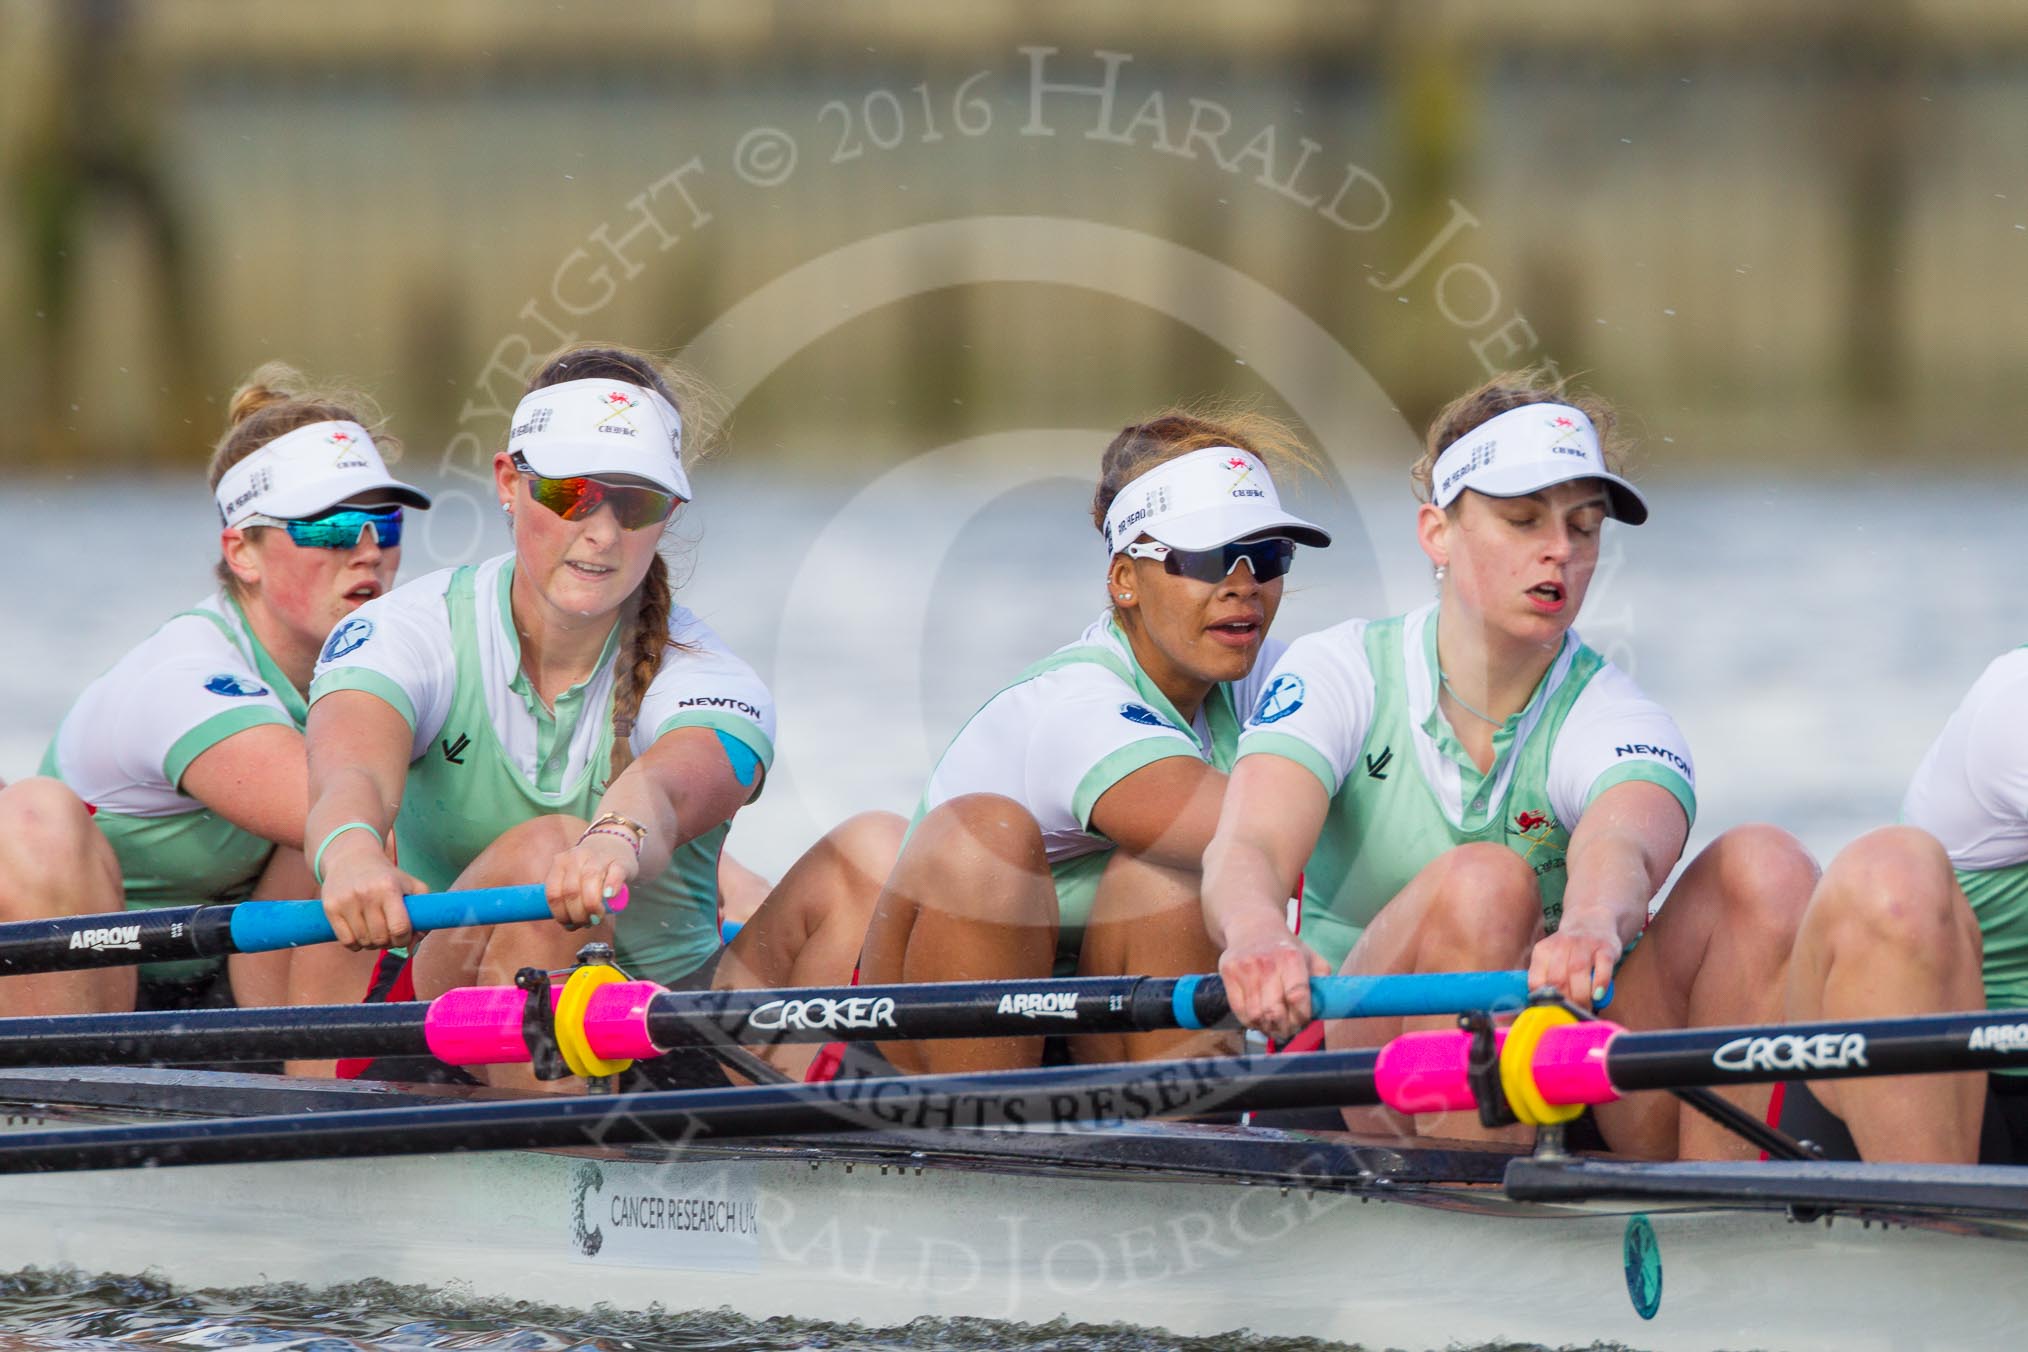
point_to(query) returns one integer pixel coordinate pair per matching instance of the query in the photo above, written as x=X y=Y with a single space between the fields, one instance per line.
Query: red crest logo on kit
x=621 y=405
x=1540 y=831
x=349 y=456
x=1237 y=462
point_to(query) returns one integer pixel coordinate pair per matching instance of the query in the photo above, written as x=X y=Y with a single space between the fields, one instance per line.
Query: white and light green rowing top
x=1357 y=706
x=130 y=736
x=1971 y=793
x=1069 y=728
x=488 y=754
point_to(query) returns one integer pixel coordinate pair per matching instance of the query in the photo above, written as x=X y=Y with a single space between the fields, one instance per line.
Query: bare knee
x=980 y=829
x=1891 y=888
x=44 y=820
x=867 y=844
x=1765 y=878
x=1486 y=899
x=979 y=855
x=524 y=852
x=52 y=858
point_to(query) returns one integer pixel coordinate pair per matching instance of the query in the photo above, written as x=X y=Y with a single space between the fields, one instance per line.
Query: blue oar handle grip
x=1364 y=997
x=264 y=926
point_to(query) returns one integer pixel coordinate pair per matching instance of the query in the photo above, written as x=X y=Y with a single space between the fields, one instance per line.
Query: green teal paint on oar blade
x=1641 y=1254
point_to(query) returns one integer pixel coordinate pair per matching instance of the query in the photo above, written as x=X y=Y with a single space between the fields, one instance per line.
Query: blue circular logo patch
x=1283 y=697
x=1141 y=713
x=229 y=683
x=352 y=631
x=1642 y=1254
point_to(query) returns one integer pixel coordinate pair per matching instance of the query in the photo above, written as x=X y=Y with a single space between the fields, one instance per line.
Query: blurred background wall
x=1776 y=232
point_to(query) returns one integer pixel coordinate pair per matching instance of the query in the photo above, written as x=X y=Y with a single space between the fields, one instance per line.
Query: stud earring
x=1126 y=596
x=1441 y=571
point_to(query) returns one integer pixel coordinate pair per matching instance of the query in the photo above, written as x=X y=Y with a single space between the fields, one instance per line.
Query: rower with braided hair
x=553 y=714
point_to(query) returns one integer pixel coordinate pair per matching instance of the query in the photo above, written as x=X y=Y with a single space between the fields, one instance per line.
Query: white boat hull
x=807 y=1230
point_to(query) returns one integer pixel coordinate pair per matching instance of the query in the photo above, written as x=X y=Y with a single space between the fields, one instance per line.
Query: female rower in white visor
x=1470 y=787
x=190 y=748
x=551 y=716
x=1063 y=826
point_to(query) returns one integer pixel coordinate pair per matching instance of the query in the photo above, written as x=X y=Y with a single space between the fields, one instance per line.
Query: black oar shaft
x=172 y=934
x=118 y=939
x=214 y=1035
x=1840 y=1049
x=956 y=1009
x=1022 y=1098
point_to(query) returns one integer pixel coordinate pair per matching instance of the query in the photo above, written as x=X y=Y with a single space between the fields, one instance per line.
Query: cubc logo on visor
x=1564 y=427
x=347 y=447
x=618 y=405
x=1238 y=487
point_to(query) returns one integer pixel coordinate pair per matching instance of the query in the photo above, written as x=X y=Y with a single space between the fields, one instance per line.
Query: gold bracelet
x=627 y=824
x=616 y=833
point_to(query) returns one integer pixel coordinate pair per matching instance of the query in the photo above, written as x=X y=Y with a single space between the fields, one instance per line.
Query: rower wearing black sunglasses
x=552 y=715
x=1062 y=828
x=191 y=747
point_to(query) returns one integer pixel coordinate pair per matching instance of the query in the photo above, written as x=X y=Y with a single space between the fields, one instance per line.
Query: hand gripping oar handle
x=123 y=938
x=263 y=926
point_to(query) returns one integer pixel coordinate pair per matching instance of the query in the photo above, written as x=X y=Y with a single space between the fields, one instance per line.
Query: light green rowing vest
x=1999 y=899
x=1385 y=822
x=460 y=798
x=195 y=858
x=1076 y=879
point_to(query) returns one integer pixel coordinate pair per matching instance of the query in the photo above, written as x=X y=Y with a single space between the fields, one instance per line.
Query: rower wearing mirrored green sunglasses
x=191 y=747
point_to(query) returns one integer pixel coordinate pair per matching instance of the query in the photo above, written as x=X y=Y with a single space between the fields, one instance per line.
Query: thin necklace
x=1452 y=691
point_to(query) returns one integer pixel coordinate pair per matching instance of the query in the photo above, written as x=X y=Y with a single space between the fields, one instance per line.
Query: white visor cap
x=601 y=429
x=1205 y=499
x=307 y=471
x=1526 y=450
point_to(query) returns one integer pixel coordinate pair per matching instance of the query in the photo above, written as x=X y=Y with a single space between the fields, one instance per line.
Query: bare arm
x=1273 y=811
x=258 y=779
x=683 y=786
x=1165 y=811
x=358 y=766
x=1620 y=855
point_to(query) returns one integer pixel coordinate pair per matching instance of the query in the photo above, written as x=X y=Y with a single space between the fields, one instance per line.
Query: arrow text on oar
x=70 y=943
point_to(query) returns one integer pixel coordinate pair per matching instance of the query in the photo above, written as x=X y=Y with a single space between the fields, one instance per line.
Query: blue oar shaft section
x=1199 y=1001
x=264 y=926
x=1405 y=996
